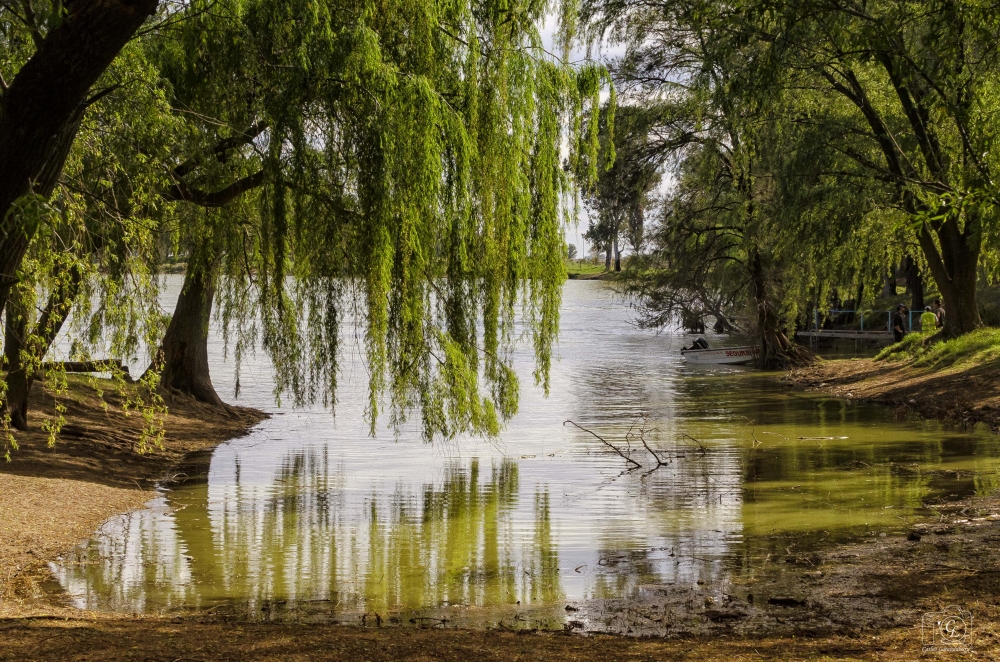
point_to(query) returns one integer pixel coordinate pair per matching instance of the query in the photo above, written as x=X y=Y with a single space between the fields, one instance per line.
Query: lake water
x=309 y=518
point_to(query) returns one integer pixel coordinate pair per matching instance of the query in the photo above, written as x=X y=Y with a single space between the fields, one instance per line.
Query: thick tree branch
x=220 y=198
x=221 y=149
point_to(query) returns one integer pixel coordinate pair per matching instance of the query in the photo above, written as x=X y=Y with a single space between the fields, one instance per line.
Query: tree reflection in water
x=306 y=546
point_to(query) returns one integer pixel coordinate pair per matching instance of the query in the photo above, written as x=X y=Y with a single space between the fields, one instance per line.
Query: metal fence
x=876 y=319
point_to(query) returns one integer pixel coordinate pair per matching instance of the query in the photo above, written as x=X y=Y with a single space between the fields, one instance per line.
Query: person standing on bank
x=938 y=309
x=928 y=321
x=899 y=323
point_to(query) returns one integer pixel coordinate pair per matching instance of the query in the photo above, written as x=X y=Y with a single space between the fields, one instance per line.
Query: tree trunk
x=774 y=349
x=184 y=351
x=889 y=289
x=860 y=296
x=41 y=110
x=607 y=257
x=18 y=386
x=955 y=271
x=20 y=377
x=618 y=256
x=914 y=283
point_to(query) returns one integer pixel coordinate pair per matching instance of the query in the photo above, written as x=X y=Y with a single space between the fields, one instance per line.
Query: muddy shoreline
x=964 y=395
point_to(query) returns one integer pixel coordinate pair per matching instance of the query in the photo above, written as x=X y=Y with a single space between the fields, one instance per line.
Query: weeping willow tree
x=897 y=99
x=769 y=212
x=397 y=167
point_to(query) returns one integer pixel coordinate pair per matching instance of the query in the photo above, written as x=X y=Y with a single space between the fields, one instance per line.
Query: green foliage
x=821 y=142
x=395 y=167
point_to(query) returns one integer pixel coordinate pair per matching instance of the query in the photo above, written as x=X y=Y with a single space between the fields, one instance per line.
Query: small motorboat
x=731 y=355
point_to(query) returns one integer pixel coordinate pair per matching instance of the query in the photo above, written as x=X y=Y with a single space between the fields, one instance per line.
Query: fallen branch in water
x=641 y=436
x=684 y=434
x=606 y=443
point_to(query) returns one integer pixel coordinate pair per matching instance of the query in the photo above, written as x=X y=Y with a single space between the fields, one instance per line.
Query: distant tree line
x=820 y=148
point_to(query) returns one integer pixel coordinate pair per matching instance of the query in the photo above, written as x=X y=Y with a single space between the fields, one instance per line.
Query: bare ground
x=53 y=498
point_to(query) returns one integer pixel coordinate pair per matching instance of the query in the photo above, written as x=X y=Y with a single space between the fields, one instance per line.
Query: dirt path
x=53 y=498
x=159 y=639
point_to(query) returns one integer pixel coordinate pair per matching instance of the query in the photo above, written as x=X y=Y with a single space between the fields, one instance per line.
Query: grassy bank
x=978 y=348
x=586 y=270
x=54 y=497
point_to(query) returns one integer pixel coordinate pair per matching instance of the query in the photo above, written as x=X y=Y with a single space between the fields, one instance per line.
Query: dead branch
x=641 y=435
x=605 y=442
x=700 y=446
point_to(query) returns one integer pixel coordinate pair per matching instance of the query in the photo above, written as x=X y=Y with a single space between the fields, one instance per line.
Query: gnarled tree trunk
x=774 y=349
x=955 y=271
x=184 y=351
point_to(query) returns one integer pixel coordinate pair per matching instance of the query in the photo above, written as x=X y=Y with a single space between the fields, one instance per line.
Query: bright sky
x=574 y=233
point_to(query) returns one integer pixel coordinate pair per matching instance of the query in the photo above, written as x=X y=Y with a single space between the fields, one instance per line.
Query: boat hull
x=723 y=355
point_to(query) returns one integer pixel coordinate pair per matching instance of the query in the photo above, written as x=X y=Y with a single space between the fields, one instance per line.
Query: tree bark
x=15 y=334
x=184 y=351
x=607 y=257
x=618 y=255
x=914 y=283
x=955 y=271
x=774 y=350
x=889 y=289
x=40 y=110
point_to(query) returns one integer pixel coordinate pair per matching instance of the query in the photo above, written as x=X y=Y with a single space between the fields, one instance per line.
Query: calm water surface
x=309 y=518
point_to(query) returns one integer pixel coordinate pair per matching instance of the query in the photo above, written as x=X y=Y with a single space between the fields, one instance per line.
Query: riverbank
x=958 y=380
x=53 y=498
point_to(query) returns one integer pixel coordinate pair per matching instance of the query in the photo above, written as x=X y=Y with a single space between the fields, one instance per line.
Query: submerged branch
x=641 y=435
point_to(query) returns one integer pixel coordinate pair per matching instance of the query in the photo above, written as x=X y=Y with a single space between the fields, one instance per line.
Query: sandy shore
x=53 y=498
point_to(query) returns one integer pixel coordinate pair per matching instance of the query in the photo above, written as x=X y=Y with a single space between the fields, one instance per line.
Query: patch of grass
x=930 y=351
x=910 y=347
x=584 y=267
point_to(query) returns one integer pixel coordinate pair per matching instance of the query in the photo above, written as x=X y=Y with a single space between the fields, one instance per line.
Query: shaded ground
x=158 y=639
x=964 y=393
x=52 y=498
